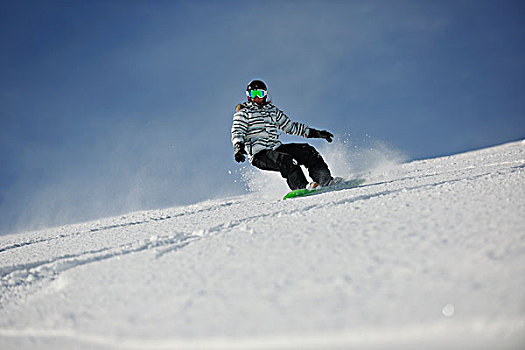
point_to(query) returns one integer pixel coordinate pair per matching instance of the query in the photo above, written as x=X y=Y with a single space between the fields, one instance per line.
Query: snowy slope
x=430 y=254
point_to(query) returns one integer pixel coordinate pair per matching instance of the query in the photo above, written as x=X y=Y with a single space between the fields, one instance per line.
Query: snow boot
x=312 y=186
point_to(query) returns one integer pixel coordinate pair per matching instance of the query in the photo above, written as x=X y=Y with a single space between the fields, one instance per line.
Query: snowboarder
x=255 y=133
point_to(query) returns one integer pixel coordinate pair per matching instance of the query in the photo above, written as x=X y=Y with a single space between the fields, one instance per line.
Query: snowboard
x=337 y=187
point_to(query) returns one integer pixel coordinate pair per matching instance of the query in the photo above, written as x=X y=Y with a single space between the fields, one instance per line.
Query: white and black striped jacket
x=257 y=127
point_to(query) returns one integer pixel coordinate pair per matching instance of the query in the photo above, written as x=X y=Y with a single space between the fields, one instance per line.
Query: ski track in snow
x=31 y=261
x=27 y=273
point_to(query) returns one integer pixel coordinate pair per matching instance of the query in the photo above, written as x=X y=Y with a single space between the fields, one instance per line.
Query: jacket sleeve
x=239 y=127
x=293 y=128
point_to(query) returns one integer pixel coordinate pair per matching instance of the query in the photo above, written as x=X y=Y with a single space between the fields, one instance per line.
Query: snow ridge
x=429 y=254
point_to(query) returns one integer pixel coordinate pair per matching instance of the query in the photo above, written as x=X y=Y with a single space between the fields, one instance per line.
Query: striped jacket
x=257 y=127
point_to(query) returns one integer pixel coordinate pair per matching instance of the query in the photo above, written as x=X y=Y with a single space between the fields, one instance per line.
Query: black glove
x=239 y=152
x=320 y=134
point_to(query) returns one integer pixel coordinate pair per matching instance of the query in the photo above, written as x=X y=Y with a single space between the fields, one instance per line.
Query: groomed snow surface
x=428 y=254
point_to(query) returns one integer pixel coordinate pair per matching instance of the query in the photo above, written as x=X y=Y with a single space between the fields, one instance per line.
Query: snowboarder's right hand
x=239 y=152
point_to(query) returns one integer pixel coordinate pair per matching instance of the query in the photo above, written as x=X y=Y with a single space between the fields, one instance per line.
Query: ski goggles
x=256 y=93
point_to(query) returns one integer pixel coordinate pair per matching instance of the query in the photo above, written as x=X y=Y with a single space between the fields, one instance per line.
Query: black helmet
x=256 y=85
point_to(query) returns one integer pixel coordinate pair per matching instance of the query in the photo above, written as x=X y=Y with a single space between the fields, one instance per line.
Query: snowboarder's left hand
x=320 y=134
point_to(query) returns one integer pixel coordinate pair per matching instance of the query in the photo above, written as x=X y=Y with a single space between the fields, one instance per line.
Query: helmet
x=256 y=85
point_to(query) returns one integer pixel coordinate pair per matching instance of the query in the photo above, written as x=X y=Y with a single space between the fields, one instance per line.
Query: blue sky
x=112 y=106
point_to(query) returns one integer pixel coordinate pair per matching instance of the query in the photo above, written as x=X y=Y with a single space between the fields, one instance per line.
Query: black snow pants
x=288 y=158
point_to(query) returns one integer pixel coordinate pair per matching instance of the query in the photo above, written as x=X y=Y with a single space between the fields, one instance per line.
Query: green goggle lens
x=256 y=93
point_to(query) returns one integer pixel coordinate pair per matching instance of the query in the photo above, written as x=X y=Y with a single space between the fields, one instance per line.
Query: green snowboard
x=340 y=186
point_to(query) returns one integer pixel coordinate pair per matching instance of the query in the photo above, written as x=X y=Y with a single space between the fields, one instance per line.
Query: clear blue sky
x=111 y=106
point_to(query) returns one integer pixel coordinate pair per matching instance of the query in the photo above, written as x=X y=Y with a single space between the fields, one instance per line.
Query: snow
x=427 y=254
